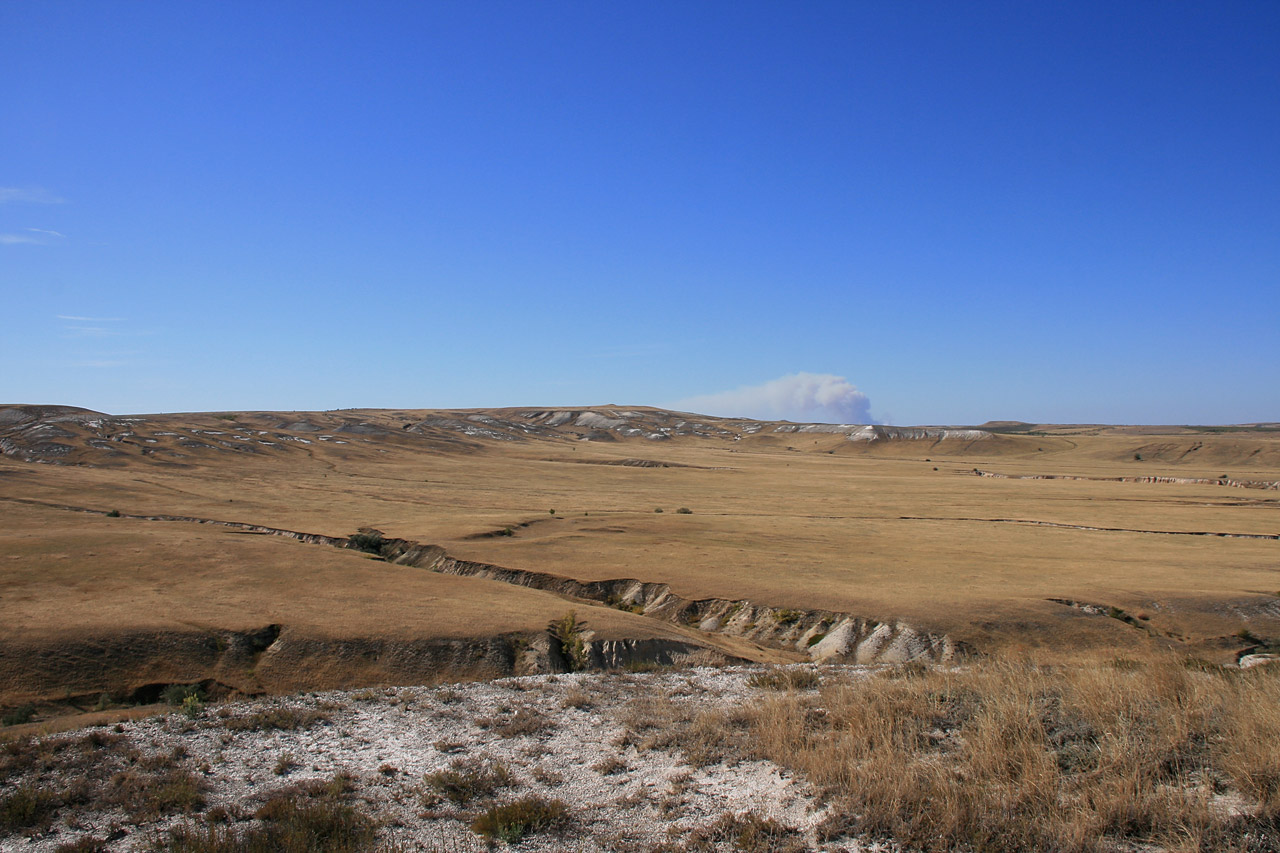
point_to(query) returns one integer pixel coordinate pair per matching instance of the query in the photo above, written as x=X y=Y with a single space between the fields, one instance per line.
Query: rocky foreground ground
x=583 y=762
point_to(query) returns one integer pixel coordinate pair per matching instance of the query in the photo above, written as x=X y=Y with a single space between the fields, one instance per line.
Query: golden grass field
x=897 y=529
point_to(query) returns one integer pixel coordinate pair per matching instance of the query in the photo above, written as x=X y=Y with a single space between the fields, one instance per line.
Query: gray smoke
x=805 y=397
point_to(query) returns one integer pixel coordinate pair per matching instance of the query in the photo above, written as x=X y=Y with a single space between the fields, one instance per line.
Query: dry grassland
x=1104 y=712
x=891 y=530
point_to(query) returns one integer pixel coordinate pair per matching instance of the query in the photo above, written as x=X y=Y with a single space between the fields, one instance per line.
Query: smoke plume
x=805 y=397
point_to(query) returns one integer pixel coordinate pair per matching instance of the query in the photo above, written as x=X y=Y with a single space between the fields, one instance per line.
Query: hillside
x=146 y=550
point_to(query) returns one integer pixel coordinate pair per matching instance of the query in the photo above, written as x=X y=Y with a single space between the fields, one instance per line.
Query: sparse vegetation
x=684 y=510
x=146 y=796
x=578 y=698
x=987 y=756
x=787 y=617
x=313 y=816
x=609 y=766
x=513 y=821
x=19 y=715
x=371 y=542
x=178 y=694
x=466 y=780
x=27 y=806
x=750 y=833
x=524 y=722
x=277 y=718
x=785 y=679
x=567 y=633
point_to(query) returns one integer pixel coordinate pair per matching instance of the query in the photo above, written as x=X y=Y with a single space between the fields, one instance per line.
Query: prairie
x=944 y=532
x=1063 y=626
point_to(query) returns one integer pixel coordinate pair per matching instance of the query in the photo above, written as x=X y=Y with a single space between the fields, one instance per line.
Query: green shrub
x=567 y=631
x=115 y=513
x=684 y=510
x=787 y=617
x=192 y=707
x=370 y=542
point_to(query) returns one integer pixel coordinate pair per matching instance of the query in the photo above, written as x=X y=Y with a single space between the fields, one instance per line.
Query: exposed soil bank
x=79 y=669
x=1272 y=485
x=824 y=635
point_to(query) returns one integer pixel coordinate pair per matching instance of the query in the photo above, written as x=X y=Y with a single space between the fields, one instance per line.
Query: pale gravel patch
x=388 y=739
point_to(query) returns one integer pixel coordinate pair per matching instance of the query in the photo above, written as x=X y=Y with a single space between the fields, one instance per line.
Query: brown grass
x=1009 y=756
x=875 y=531
x=522 y=723
x=281 y=719
x=512 y=821
x=313 y=816
x=465 y=780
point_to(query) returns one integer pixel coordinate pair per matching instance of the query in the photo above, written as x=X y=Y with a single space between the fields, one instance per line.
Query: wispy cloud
x=814 y=397
x=36 y=236
x=30 y=195
x=637 y=350
x=101 y=327
x=95 y=364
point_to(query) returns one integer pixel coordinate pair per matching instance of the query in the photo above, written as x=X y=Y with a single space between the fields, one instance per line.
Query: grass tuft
x=466 y=780
x=513 y=821
x=276 y=719
x=785 y=679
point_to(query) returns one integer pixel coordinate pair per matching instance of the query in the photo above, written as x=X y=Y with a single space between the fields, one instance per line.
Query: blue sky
x=1059 y=212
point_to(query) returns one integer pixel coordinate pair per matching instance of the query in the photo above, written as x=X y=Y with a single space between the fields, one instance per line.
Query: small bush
x=26 y=807
x=311 y=817
x=276 y=719
x=513 y=821
x=684 y=510
x=576 y=697
x=192 y=707
x=658 y=509
x=642 y=666
x=750 y=833
x=148 y=796
x=611 y=766
x=370 y=542
x=115 y=513
x=785 y=679
x=522 y=723
x=567 y=632
x=787 y=617
x=177 y=694
x=466 y=780
x=18 y=716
